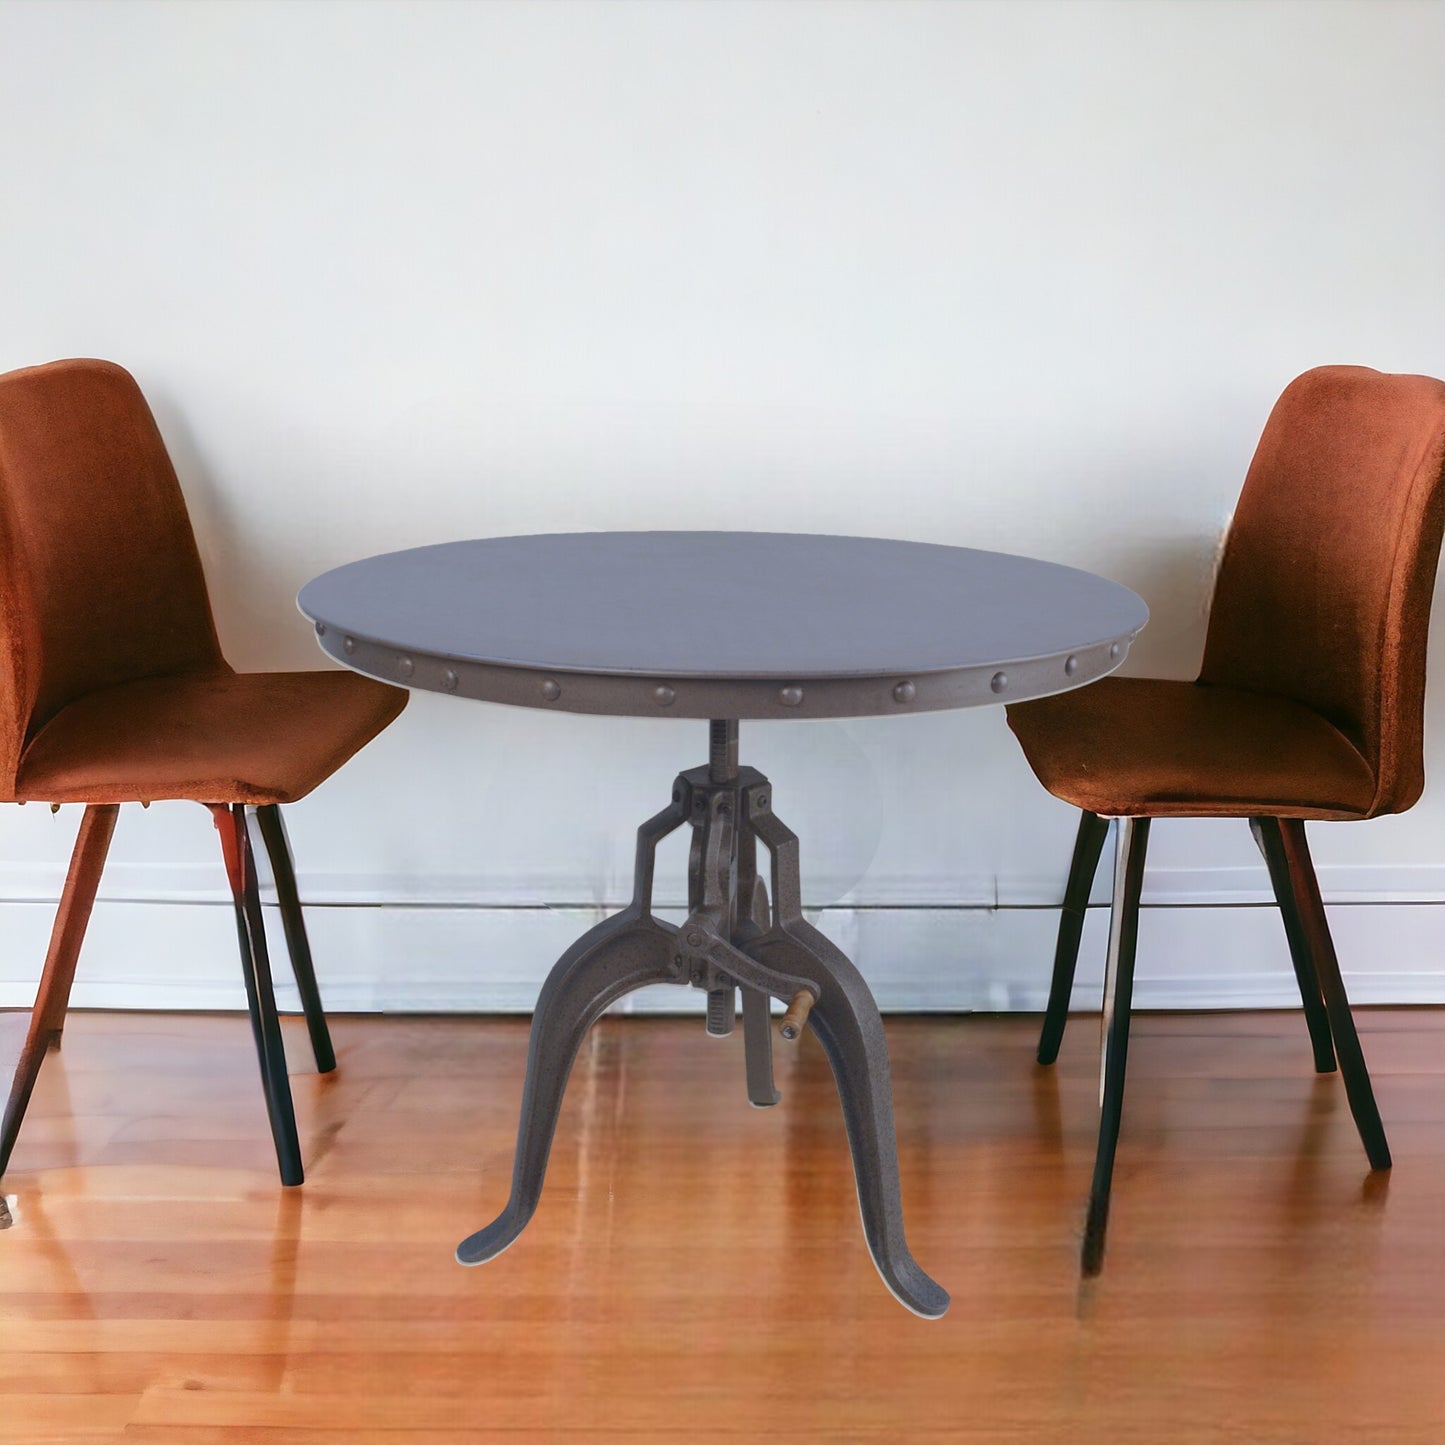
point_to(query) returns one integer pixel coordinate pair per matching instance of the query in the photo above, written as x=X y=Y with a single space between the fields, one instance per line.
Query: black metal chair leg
x=1088 y=844
x=1306 y=889
x=278 y=850
x=1267 y=836
x=847 y=1023
x=623 y=953
x=1130 y=847
x=260 y=996
x=87 y=861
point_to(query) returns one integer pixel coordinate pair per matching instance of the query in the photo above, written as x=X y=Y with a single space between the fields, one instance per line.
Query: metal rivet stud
x=665 y=696
x=1114 y=653
x=406 y=667
x=349 y=645
x=904 y=692
x=321 y=629
x=449 y=681
x=998 y=681
x=551 y=690
x=694 y=940
x=1071 y=666
x=790 y=696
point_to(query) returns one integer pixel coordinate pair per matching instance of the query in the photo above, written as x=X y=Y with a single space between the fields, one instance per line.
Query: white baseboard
x=409 y=958
x=501 y=889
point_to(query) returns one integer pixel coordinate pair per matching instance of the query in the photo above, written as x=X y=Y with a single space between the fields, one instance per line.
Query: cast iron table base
x=732 y=939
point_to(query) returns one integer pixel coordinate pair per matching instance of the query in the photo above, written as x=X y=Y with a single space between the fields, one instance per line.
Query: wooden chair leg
x=278 y=850
x=1267 y=836
x=1129 y=850
x=1087 y=846
x=1306 y=889
x=47 y=1019
x=260 y=997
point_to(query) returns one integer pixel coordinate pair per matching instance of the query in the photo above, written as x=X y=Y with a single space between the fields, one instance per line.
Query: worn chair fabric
x=1309 y=703
x=113 y=689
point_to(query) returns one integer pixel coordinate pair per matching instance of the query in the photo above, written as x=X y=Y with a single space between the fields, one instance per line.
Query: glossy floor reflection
x=696 y=1267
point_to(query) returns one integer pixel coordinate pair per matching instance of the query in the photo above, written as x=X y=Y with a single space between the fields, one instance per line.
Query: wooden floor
x=696 y=1269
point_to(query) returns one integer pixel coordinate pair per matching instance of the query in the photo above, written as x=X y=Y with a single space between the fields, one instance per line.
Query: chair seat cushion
x=212 y=737
x=1143 y=748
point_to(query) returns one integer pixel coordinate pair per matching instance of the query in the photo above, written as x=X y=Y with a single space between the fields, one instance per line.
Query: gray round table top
x=722 y=624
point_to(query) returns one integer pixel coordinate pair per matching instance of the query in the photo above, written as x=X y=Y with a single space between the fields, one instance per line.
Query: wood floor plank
x=696 y=1267
x=85 y=1419
x=962 y=1433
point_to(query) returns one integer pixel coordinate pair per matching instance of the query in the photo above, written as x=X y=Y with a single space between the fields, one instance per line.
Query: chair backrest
x=1328 y=571
x=100 y=580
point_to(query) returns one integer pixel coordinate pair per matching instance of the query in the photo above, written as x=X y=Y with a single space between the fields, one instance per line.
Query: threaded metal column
x=723 y=756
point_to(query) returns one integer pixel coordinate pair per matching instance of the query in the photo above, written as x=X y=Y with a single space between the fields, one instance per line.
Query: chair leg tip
x=1050 y=1040
x=1091 y=1256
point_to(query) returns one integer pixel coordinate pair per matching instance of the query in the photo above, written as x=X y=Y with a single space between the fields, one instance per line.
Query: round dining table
x=723 y=626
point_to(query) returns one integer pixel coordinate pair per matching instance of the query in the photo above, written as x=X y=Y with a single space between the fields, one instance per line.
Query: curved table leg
x=623 y=953
x=848 y=1025
x=619 y=955
x=850 y=1029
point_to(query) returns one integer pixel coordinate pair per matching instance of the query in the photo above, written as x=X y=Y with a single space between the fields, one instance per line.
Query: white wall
x=1018 y=275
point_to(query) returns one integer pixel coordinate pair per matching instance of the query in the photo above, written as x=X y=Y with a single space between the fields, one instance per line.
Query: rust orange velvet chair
x=1309 y=705
x=113 y=690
